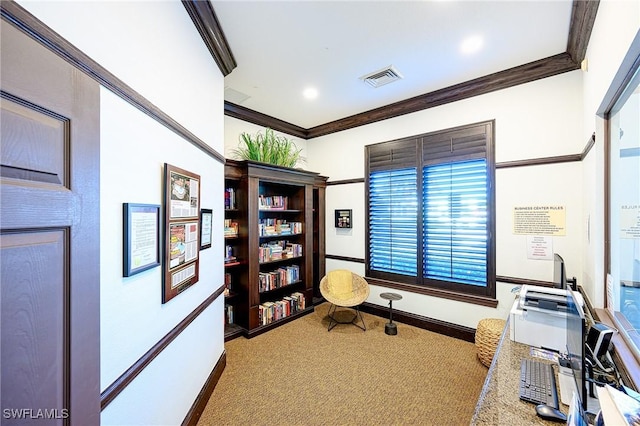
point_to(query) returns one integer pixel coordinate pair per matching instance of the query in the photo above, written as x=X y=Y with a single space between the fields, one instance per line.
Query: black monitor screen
x=559 y=273
x=576 y=335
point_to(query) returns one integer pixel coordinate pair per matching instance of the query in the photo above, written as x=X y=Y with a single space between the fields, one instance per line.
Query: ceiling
x=281 y=48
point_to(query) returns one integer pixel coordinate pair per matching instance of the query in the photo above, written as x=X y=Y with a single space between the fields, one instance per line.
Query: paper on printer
x=539 y=317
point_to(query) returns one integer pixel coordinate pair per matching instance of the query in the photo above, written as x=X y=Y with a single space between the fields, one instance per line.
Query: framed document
x=182 y=231
x=206 y=216
x=141 y=248
x=343 y=218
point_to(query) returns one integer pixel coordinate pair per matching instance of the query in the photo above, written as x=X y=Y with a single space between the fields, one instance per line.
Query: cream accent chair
x=343 y=288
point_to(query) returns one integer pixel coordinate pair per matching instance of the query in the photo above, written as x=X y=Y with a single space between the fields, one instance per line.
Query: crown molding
x=583 y=16
x=206 y=22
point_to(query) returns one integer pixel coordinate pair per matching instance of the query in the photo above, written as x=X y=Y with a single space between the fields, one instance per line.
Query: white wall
x=154 y=48
x=539 y=119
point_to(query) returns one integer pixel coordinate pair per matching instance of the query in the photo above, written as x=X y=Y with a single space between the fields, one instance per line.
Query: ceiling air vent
x=380 y=78
x=234 y=96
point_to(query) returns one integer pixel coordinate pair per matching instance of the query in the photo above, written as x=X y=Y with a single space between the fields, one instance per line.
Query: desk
x=499 y=402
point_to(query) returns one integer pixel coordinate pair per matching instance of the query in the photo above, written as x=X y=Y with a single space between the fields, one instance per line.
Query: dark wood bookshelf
x=300 y=190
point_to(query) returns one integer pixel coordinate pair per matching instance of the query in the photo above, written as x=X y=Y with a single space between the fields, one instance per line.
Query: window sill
x=443 y=294
x=623 y=355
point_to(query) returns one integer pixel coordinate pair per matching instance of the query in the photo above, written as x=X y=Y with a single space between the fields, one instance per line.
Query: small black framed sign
x=206 y=216
x=141 y=237
x=343 y=218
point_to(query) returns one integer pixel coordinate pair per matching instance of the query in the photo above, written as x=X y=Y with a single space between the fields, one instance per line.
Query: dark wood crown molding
x=205 y=20
x=501 y=80
x=251 y=116
x=583 y=15
x=16 y=15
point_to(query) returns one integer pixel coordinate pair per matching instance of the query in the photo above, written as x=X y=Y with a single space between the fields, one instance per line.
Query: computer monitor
x=559 y=272
x=576 y=338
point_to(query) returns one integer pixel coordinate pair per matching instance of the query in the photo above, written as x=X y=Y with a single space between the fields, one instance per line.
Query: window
x=430 y=210
x=623 y=241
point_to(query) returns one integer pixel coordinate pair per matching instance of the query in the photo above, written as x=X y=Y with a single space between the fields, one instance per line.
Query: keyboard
x=538 y=383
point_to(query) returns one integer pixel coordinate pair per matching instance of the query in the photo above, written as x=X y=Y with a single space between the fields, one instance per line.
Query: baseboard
x=426 y=323
x=202 y=399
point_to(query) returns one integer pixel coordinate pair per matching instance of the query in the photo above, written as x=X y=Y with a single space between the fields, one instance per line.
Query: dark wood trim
x=198 y=406
x=526 y=73
x=441 y=327
x=590 y=143
x=344 y=258
x=435 y=292
x=522 y=281
x=345 y=181
x=205 y=20
x=114 y=389
x=248 y=115
x=583 y=15
x=539 y=161
x=13 y=13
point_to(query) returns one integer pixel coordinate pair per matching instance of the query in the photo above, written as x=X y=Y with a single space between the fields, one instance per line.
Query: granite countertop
x=499 y=402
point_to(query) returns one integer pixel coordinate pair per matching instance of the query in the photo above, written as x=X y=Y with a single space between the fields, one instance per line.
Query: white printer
x=539 y=317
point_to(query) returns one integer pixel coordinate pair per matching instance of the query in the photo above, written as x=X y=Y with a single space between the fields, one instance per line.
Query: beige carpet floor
x=300 y=374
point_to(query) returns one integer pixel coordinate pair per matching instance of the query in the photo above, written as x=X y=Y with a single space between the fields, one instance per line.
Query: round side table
x=390 y=328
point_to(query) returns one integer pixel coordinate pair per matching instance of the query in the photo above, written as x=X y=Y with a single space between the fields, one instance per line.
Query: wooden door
x=49 y=230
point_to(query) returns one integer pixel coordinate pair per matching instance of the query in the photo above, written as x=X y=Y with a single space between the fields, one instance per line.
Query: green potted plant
x=268 y=148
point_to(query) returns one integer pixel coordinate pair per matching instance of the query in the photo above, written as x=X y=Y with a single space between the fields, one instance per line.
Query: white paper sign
x=539 y=247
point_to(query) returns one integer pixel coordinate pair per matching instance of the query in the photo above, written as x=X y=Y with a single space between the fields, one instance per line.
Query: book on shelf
x=270 y=226
x=230 y=199
x=269 y=312
x=227 y=283
x=278 y=278
x=230 y=228
x=272 y=202
x=229 y=256
x=276 y=250
x=228 y=313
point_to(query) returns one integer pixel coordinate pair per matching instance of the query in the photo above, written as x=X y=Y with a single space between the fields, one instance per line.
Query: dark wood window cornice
x=583 y=16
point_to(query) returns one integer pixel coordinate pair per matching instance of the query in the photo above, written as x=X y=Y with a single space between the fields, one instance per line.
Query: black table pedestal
x=390 y=328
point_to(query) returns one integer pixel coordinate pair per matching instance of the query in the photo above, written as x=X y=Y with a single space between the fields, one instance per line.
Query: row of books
x=272 y=311
x=278 y=278
x=277 y=202
x=270 y=226
x=276 y=250
x=230 y=228
x=228 y=314
x=230 y=199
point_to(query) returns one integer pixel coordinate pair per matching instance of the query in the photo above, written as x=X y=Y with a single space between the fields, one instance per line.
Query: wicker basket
x=487 y=337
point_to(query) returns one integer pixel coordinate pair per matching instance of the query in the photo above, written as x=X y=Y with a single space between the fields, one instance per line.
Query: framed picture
x=206 y=217
x=181 y=230
x=141 y=238
x=343 y=218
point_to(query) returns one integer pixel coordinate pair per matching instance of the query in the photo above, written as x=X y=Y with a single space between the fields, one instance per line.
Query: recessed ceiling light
x=471 y=45
x=310 y=93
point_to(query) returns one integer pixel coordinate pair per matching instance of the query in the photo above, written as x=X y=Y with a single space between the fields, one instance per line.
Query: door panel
x=34 y=301
x=50 y=236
